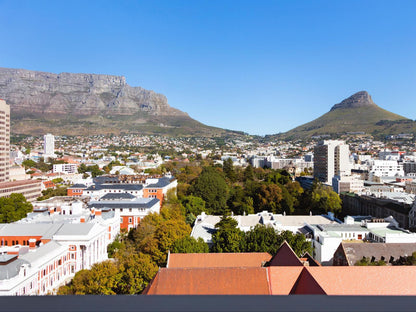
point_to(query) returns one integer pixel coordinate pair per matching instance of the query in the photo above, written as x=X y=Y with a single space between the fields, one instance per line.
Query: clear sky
x=261 y=67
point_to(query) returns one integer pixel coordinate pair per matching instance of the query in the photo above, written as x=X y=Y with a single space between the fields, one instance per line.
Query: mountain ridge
x=357 y=113
x=80 y=103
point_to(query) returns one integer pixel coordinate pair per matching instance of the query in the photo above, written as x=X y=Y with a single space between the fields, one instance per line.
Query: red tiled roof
x=282 y=279
x=209 y=281
x=285 y=256
x=366 y=280
x=306 y=285
x=217 y=260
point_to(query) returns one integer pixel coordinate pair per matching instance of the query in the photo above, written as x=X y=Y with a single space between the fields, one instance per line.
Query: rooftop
x=210 y=260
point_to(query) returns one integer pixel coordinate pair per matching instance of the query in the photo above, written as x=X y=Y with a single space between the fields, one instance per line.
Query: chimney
x=32 y=244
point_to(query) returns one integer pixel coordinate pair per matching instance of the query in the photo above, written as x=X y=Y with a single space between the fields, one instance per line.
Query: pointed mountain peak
x=358 y=99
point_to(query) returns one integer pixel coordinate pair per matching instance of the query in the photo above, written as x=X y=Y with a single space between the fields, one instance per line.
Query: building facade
x=4 y=141
x=331 y=157
x=49 y=145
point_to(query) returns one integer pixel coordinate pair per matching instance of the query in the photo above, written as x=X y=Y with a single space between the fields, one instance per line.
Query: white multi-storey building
x=44 y=250
x=384 y=168
x=48 y=145
x=331 y=157
x=65 y=168
x=4 y=141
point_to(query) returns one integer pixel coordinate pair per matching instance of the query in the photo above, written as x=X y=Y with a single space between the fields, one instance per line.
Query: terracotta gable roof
x=311 y=261
x=209 y=281
x=285 y=256
x=306 y=285
x=217 y=260
x=366 y=280
x=282 y=279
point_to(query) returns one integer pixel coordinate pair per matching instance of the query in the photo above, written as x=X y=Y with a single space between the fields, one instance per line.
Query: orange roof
x=366 y=280
x=209 y=281
x=282 y=279
x=285 y=256
x=217 y=260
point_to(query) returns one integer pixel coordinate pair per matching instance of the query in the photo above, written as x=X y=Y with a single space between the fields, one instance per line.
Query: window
x=121 y=220
x=130 y=220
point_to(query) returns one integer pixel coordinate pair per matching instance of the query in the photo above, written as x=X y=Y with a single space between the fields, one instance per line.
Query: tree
x=324 y=199
x=14 y=208
x=228 y=169
x=212 y=188
x=239 y=202
x=368 y=262
x=189 y=244
x=297 y=241
x=166 y=235
x=135 y=271
x=248 y=173
x=262 y=239
x=29 y=163
x=130 y=273
x=267 y=197
x=50 y=192
x=193 y=204
x=228 y=238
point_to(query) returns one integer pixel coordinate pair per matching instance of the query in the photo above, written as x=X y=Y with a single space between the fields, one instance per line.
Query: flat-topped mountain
x=72 y=104
x=358 y=113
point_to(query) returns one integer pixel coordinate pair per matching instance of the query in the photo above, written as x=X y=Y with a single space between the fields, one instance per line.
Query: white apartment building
x=352 y=183
x=48 y=145
x=43 y=251
x=65 y=168
x=4 y=141
x=36 y=271
x=384 y=168
x=331 y=157
x=327 y=237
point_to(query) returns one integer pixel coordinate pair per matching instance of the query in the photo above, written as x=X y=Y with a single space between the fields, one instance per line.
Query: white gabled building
x=36 y=271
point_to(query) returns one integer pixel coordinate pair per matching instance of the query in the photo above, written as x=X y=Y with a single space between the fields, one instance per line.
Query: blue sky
x=261 y=67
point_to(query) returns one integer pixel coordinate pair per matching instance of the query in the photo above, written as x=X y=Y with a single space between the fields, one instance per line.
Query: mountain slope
x=73 y=104
x=358 y=113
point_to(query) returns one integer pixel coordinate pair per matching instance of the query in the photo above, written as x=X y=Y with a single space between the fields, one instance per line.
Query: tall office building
x=31 y=189
x=48 y=145
x=331 y=157
x=4 y=141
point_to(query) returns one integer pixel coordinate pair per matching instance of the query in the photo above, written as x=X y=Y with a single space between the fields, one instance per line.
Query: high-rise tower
x=48 y=145
x=331 y=157
x=4 y=141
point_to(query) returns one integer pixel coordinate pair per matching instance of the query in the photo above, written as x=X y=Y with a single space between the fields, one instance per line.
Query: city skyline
x=237 y=67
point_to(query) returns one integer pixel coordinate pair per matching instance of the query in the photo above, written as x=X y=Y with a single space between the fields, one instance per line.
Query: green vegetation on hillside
x=369 y=119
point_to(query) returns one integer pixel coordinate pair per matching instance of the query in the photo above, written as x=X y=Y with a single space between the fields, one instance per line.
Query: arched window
x=12 y=242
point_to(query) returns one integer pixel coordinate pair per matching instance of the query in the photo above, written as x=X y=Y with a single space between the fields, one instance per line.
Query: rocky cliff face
x=41 y=93
x=359 y=99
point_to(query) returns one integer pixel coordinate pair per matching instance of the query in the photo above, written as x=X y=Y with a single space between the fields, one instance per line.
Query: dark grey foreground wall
x=207 y=303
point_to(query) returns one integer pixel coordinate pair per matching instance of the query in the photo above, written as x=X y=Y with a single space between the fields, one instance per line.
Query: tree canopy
x=14 y=208
x=213 y=189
